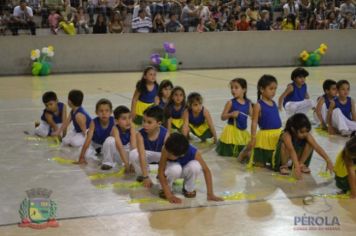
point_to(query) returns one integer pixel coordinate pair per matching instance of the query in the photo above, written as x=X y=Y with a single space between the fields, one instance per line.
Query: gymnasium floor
x=259 y=202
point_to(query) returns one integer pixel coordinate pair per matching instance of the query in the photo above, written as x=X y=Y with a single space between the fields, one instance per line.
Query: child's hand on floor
x=174 y=199
x=330 y=166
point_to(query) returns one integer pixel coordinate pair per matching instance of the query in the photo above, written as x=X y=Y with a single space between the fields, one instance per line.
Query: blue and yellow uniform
x=176 y=116
x=155 y=145
x=267 y=137
x=235 y=136
x=341 y=175
x=189 y=156
x=102 y=133
x=56 y=118
x=346 y=108
x=75 y=124
x=298 y=147
x=297 y=95
x=199 y=126
x=125 y=136
x=145 y=100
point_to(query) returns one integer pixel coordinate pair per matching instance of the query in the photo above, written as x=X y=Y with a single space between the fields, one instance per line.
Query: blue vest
x=241 y=120
x=297 y=95
x=189 y=156
x=100 y=133
x=56 y=118
x=196 y=121
x=162 y=104
x=176 y=114
x=156 y=145
x=75 y=124
x=269 y=118
x=124 y=136
x=345 y=108
x=149 y=96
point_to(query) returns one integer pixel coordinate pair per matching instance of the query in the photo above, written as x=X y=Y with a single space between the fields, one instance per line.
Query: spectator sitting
x=331 y=22
x=252 y=12
x=115 y=25
x=201 y=26
x=5 y=20
x=190 y=16
x=253 y=24
x=142 y=23
x=211 y=24
x=68 y=15
x=243 y=24
x=278 y=24
x=230 y=24
x=158 y=24
x=142 y=6
x=81 y=21
x=290 y=23
x=53 y=20
x=100 y=25
x=22 y=18
x=291 y=7
x=264 y=23
x=174 y=25
x=346 y=7
x=320 y=13
x=347 y=22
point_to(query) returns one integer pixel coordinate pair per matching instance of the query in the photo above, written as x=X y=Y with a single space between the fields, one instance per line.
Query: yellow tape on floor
x=62 y=160
x=239 y=197
x=118 y=174
x=288 y=178
x=321 y=132
x=48 y=139
x=334 y=196
x=120 y=185
x=148 y=200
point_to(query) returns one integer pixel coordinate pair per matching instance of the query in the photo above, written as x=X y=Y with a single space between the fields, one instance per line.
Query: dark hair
x=120 y=110
x=103 y=101
x=263 y=82
x=164 y=84
x=299 y=72
x=167 y=109
x=242 y=82
x=141 y=84
x=328 y=83
x=194 y=97
x=97 y=19
x=49 y=96
x=155 y=112
x=342 y=82
x=76 y=97
x=279 y=19
x=350 y=147
x=177 y=144
x=297 y=122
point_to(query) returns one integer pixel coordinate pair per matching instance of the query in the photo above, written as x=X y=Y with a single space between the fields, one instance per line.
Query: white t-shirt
x=289 y=10
x=205 y=13
x=137 y=8
x=21 y=14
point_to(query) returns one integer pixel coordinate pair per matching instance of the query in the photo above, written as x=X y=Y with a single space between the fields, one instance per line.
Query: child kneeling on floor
x=179 y=159
x=297 y=143
x=345 y=168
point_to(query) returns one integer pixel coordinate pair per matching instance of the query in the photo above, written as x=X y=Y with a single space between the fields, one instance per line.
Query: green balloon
x=308 y=62
x=46 y=69
x=36 y=68
x=172 y=67
x=165 y=62
x=174 y=61
x=163 y=68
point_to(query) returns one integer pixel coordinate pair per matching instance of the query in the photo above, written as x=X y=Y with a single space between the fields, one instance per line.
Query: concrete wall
x=131 y=52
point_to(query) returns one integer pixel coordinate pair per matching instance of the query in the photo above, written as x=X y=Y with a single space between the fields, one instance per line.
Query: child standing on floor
x=181 y=160
x=297 y=144
x=345 y=168
x=266 y=115
x=295 y=98
x=164 y=92
x=102 y=136
x=342 y=114
x=150 y=141
x=235 y=137
x=127 y=138
x=145 y=94
x=175 y=109
x=81 y=120
x=197 y=119
x=323 y=103
x=52 y=117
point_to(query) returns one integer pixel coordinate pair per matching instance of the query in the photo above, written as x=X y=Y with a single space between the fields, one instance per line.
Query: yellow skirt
x=268 y=139
x=202 y=131
x=177 y=123
x=232 y=141
x=140 y=109
x=67 y=28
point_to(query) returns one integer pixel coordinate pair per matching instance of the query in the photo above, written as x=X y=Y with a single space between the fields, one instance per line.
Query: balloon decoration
x=41 y=65
x=169 y=61
x=313 y=58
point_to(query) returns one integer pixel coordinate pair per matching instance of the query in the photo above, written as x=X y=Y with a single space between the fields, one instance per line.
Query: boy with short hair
x=150 y=141
x=323 y=102
x=52 y=117
x=181 y=160
x=80 y=118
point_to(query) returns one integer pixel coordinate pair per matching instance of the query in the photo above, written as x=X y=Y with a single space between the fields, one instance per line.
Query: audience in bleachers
x=158 y=16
